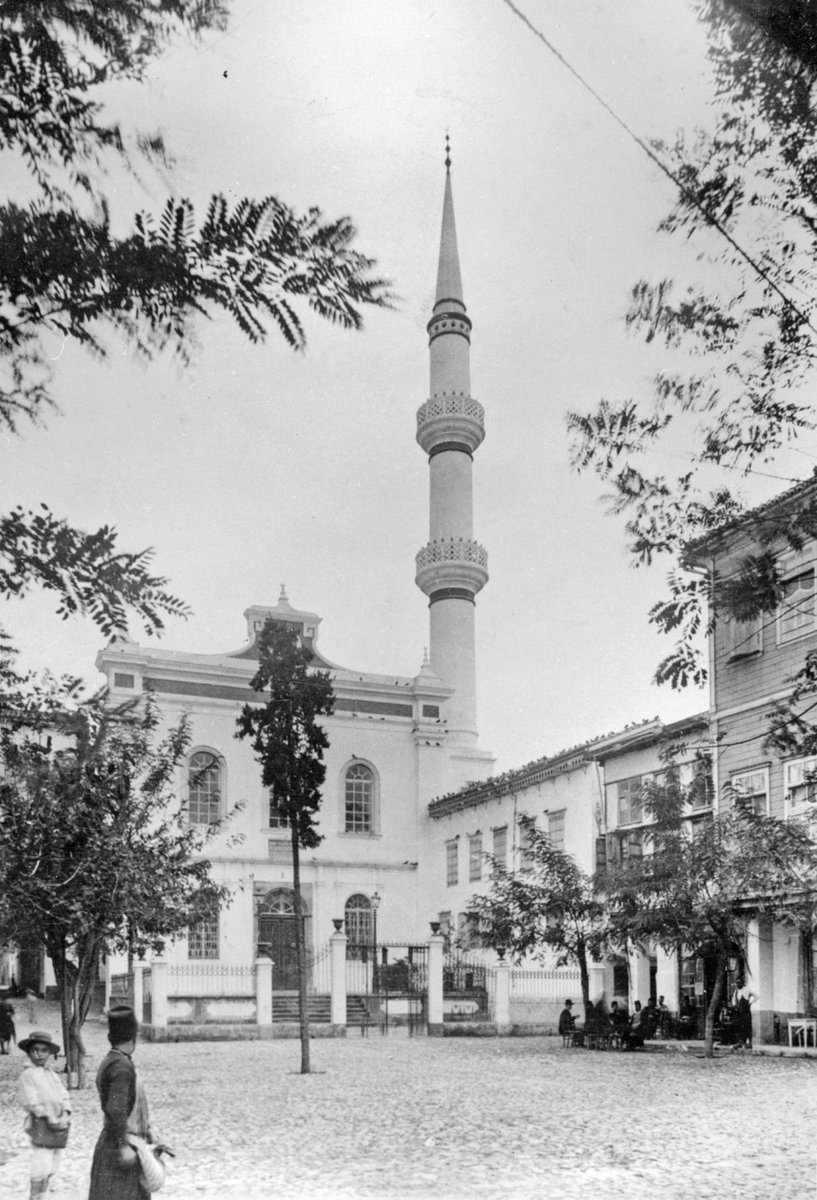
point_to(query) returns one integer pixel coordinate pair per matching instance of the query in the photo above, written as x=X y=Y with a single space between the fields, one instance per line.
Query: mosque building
x=395 y=742
x=410 y=805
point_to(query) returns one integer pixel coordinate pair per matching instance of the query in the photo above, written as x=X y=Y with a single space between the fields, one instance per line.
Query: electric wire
x=764 y=733
x=744 y=254
x=689 y=196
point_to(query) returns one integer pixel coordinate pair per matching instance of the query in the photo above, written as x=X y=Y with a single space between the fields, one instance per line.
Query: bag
x=151 y=1167
x=47 y=1136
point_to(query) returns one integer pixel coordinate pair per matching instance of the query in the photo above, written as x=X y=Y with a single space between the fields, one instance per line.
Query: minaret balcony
x=451 y=563
x=453 y=420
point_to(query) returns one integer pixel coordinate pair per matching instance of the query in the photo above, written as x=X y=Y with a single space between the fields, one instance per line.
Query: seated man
x=567 y=1024
x=619 y=1017
x=633 y=1037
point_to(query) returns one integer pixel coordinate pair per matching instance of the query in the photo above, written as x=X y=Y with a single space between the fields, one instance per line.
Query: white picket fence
x=210 y=979
x=550 y=986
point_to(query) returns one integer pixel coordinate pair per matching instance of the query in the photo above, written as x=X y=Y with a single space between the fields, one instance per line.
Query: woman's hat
x=38 y=1038
x=122 y=1025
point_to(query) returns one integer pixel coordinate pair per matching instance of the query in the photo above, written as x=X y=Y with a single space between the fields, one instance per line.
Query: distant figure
x=7 y=1030
x=618 y=1016
x=47 y=1108
x=567 y=1022
x=591 y=1024
x=31 y=1002
x=742 y=1003
x=650 y=1017
x=633 y=1037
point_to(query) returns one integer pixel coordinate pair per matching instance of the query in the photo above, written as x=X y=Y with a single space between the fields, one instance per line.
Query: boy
x=47 y=1107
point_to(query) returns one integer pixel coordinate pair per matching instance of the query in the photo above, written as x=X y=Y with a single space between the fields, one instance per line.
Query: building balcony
x=457 y=563
x=454 y=418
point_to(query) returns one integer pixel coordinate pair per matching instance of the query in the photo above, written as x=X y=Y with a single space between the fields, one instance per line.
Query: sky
x=255 y=466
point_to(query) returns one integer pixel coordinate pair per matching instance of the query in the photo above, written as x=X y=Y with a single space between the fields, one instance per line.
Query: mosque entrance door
x=276 y=937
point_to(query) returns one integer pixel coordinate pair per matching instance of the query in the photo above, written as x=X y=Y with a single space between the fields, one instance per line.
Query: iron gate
x=387 y=984
x=465 y=987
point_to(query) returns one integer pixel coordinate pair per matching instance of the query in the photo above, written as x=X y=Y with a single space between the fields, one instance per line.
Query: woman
x=115 y=1171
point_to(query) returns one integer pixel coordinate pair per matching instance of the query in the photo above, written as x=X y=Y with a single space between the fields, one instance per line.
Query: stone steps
x=319 y=1009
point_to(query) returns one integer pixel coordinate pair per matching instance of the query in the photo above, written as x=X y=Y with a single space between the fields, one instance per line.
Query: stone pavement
x=450 y=1119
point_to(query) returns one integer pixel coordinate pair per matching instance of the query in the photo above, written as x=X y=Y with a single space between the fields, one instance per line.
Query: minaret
x=452 y=568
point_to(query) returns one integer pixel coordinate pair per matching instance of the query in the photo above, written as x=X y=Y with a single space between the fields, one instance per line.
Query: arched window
x=359 y=927
x=204 y=788
x=359 y=794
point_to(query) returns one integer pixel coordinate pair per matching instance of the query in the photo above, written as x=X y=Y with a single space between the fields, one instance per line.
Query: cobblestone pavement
x=450 y=1119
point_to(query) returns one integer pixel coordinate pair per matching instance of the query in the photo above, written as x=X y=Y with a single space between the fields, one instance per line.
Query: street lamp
x=374 y=900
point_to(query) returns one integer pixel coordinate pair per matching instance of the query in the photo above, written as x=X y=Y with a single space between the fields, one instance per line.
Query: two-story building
x=588 y=800
x=626 y=764
x=752 y=668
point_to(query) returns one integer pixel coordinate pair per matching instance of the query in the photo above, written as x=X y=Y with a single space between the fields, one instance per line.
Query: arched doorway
x=277 y=919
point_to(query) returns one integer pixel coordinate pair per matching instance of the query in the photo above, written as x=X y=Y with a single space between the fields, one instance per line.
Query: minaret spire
x=449 y=282
x=452 y=568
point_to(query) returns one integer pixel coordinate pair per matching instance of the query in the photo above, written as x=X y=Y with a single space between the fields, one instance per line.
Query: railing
x=122 y=989
x=450 y=550
x=319 y=968
x=455 y=404
x=544 y=985
x=391 y=969
x=210 y=979
x=463 y=972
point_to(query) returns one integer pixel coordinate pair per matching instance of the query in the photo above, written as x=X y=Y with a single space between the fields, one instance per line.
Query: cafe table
x=799 y=1030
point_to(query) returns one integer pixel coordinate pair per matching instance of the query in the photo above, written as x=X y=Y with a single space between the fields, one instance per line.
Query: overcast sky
x=256 y=466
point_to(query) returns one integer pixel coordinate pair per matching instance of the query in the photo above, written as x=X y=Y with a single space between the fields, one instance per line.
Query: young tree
x=95 y=853
x=698 y=885
x=66 y=270
x=289 y=743
x=738 y=335
x=549 y=906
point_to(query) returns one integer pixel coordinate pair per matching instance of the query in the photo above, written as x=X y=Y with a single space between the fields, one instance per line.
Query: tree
x=65 y=268
x=95 y=853
x=289 y=743
x=738 y=337
x=697 y=886
x=548 y=906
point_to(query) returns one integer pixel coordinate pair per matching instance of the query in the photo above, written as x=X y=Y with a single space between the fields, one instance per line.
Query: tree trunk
x=581 y=957
x=300 y=951
x=714 y=1002
x=75 y=983
x=66 y=973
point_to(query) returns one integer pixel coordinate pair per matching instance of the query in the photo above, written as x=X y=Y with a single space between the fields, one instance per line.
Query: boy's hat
x=37 y=1037
x=122 y=1025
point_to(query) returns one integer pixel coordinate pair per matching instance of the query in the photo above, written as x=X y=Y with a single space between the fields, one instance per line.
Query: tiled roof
x=708 y=541
x=550 y=765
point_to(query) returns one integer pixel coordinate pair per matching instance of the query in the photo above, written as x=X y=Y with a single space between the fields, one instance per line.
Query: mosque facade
x=405 y=828
x=394 y=742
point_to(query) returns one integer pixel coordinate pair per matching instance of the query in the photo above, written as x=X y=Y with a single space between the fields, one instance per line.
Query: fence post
x=159 y=997
x=435 y=984
x=337 y=943
x=107 y=1002
x=263 y=996
x=138 y=990
x=502 y=998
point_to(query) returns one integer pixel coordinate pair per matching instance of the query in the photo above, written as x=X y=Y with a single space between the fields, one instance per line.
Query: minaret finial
x=447 y=153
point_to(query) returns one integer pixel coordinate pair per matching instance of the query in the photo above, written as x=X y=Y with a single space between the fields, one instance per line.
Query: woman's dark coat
x=116 y=1084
